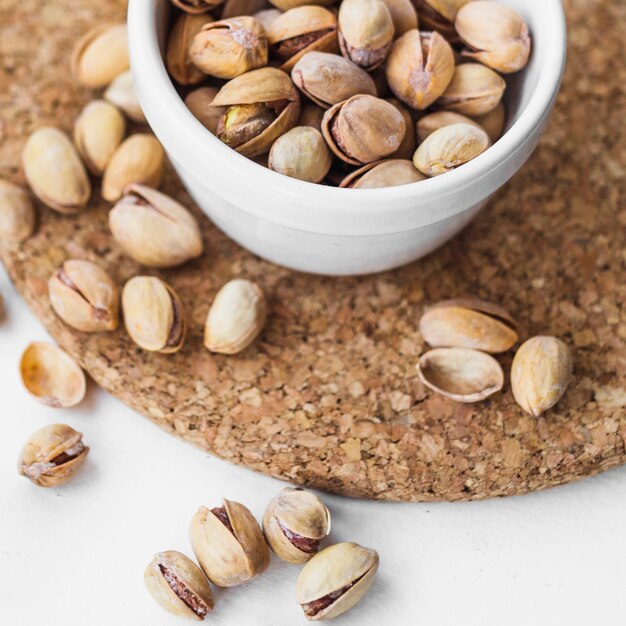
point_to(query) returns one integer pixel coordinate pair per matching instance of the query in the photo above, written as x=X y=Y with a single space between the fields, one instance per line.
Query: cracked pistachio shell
x=140 y=159
x=409 y=142
x=345 y=568
x=154 y=229
x=468 y=323
x=199 y=102
x=474 y=90
x=153 y=315
x=98 y=132
x=235 y=8
x=101 y=55
x=363 y=129
x=419 y=68
x=294 y=523
x=51 y=375
x=365 y=31
x=312 y=116
x=329 y=78
x=228 y=556
x=55 y=171
x=84 y=296
x=540 y=374
x=495 y=33
x=196 y=7
x=52 y=455
x=266 y=17
x=235 y=318
x=121 y=92
x=229 y=48
x=178 y=585
x=403 y=15
x=428 y=124
x=301 y=153
x=299 y=31
x=285 y=5
x=17 y=213
x=177 y=59
x=449 y=148
x=493 y=122
x=390 y=173
x=461 y=374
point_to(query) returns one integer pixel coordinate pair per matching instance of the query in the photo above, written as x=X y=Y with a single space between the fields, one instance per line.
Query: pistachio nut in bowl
x=329 y=230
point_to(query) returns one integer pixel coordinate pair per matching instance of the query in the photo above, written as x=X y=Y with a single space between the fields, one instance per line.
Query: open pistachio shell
x=389 y=173
x=428 y=124
x=199 y=102
x=301 y=153
x=17 y=213
x=177 y=59
x=121 y=92
x=403 y=15
x=461 y=374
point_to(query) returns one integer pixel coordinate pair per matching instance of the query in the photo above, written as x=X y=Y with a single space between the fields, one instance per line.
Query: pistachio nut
x=52 y=455
x=228 y=544
x=493 y=122
x=139 y=159
x=154 y=229
x=439 y=15
x=229 y=48
x=98 y=132
x=409 y=142
x=154 y=315
x=51 y=375
x=121 y=92
x=294 y=523
x=235 y=8
x=389 y=173
x=335 y=579
x=428 y=124
x=540 y=374
x=403 y=15
x=101 y=55
x=363 y=129
x=196 y=7
x=474 y=90
x=461 y=374
x=329 y=78
x=312 y=116
x=365 y=31
x=178 y=585
x=299 y=31
x=199 y=102
x=84 y=296
x=496 y=35
x=419 y=68
x=261 y=105
x=55 y=172
x=235 y=318
x=468 y=323
x=449 y=148
x=17 y=213
x=301 y=153
x=266 y=17
x=177 y=59
x=285 y=5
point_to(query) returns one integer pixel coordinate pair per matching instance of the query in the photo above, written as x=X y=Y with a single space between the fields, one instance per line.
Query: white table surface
x=74 y=556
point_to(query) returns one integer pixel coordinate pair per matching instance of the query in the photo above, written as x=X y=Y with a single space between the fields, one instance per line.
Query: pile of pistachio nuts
x=349 y=93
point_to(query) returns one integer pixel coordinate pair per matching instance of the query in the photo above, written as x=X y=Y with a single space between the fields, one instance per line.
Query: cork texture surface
x=329 y=396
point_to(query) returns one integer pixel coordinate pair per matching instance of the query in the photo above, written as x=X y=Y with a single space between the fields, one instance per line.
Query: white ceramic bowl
x=322 y=229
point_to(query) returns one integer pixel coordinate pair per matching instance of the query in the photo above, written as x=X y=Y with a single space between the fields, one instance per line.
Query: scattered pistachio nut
x=541 y=372
x=52 y=455
x=196 y=6
x=403 y=15
x=389 y=173
x=199 y=102
x=51 y=376
x=177 y=58
x=301 y=153
x=178 y=585
x=121 y=93
x=17 y=213
x=154 y=229
x=493 y=122
x=229 y=544
x=428 y=124
x=294 y=523
x=335 y=579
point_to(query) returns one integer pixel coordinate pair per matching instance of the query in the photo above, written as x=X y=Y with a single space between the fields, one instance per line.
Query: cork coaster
x=329 y=396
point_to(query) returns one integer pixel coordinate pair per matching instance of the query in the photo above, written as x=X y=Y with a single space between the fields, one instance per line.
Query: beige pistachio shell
x=228 y=556
x=439 y=15
x=285 y=5
x=84 y=296
x=17 y=213
x=447 y=9
x=235 y=318
x=540 y=374
x=311 y=115
x=140 y=159
x=329 y=79
x=101 y=55
x=468 y=323
x=52 y=455
x=409 y=141
x=121 y=92
x=178 y=585
x=428 y=124
x=301 y=153
x=342 y=566
x=461 y=374
x=98 y=132
x=294 y=523
x=199 y=102
x=154 y=229
x=235 y=8
x=389 y=173
x=496 y=34
x=266 y=17
x=474 y=90
x=55 y=171
x=51 y=375
x=493 y=122
x=196 y=7
x=403 y=15
x=177 y=59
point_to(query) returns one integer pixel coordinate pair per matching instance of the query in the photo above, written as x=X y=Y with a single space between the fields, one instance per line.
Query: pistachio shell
x=55 y=172
x=389 y=173
x=409 y=142
x=403 y=15
x=428 y=124
x=301 y=153
x=121 y=92
x=199 y=102
x=448 y=9
x=285 y=5
x=196 y=7
x=439 y=15
x=17 y=213
x=234 y=8
x=461 y=374
x=493 y=122
x=177 y=59
x=266 y=17
x=311 y=115
x=266 y=84
x=540 y=374
x=51 y=375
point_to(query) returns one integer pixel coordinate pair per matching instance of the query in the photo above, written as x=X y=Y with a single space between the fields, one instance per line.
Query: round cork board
x=329 y=395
